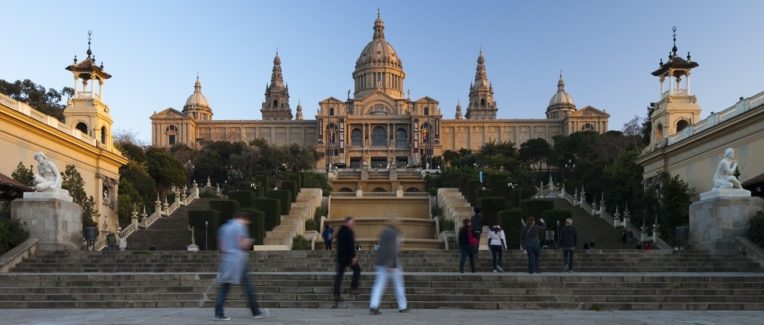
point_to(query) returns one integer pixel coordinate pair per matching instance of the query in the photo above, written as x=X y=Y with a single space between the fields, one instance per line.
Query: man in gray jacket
x=387 y=266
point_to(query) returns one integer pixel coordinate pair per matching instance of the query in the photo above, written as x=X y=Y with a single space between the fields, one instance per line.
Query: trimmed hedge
x=292 y=187
x=257 y=226
x=272 y=210
x=311 y=224
x=299 y=243
x=473 y=185
x=484 y=192
x=244 y=198
x=490 y=207
x=534 y=208
x=263 y=182
x=552 y=216
x=225 y=209
x=196 y=218
x=284 y=196
x=511 y=222
x=756 y=230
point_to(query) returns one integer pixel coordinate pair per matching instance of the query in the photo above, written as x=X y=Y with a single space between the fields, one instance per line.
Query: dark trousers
x=568 y=255
x=223 y=293
x=496 y=255
x=465 y=251
x=341 y=271
x=533 y=250
x=328 y=244
x=477 y=235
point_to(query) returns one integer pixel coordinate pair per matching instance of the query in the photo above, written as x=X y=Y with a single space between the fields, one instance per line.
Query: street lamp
x=206 y=226
x=189 y=170
x=512 y=186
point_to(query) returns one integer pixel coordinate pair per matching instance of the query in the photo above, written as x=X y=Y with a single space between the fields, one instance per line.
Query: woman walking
x=498 y=243
x=530 y=238
x=467 y=244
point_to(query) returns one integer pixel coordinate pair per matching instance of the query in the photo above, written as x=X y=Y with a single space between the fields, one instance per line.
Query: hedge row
x=245 y=198
x=534 y=208
x=225 y=209
x=490 y=209
x=284 y=196
x=292 y=187
x=511 y=222
x=272 y=210
x=257 y=226
x=197 y=218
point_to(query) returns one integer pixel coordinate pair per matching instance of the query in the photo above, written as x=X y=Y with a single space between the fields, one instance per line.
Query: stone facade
x=380 y=125
x=715 y=222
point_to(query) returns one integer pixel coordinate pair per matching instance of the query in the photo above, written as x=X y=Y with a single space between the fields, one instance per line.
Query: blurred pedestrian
x=388 y=267
x=497 y=241
x=234 y=244
x=328 y=236
x=122 y=241
x=346 y=257
x=568 y=241
x=477 y=229
x=530 y=237
x=467 y=244
x=111 y=242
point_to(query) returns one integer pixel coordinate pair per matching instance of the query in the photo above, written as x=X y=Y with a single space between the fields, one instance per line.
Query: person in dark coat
x=346 y=256
x=477 y=229
x=388 y=268
x=568 y=242
x=530 y=238
x=328 y=236
x=467 y=243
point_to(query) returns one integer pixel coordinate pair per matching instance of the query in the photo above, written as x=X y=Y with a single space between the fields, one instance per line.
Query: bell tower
x=276 y=104
x=677 y=108
x=481 y=106
x=86 y=111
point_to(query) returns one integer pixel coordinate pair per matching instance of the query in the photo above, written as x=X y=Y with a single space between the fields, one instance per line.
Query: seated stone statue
x=724 y=177
x=48 y=179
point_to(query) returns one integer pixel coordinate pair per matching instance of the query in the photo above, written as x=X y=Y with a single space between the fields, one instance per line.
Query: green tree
x=47 y=101
x=165 y=169
x=536 y=152
x=23 y=175
x=71 y=180
x=674 y=205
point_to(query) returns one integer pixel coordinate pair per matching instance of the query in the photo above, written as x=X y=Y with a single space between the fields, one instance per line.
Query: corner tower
x=276 y=104
x=378 y=68
x=481 y=105
x=86 y=111
x=677 y=108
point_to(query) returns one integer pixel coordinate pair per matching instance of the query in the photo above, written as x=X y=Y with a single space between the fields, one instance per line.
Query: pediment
x=169 y=113
x=589 y=111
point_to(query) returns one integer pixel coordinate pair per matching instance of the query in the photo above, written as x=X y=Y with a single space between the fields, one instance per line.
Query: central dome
x=561 y=97
x=378 y=68
x=197 y=99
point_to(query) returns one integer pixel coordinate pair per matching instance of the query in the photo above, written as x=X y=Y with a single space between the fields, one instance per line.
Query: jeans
x=248 y=289
x=477 y=234
x=496 y=255
x=466 y=250
x=328 y=244
x=380 y=283
x=533 y=250
x=341 y=271
x=568 y=253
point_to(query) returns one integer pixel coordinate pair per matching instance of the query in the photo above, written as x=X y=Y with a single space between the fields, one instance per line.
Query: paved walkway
x=192 y=316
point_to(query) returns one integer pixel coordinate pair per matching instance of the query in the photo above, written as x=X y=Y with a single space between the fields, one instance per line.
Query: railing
x=740 y=107
x=49 y=120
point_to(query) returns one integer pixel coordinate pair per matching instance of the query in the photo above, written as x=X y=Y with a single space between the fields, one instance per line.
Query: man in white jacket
x=498 y=243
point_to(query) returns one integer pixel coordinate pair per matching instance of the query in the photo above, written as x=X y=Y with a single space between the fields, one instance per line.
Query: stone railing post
x=134 y=218
x=144 y=218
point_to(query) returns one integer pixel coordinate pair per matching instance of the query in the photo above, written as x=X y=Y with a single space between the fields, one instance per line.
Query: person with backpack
x=328 y=236
x=497 y=241
x=530 y=237
x=568 y=241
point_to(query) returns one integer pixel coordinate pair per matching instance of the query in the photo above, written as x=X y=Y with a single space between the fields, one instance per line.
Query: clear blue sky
x=606 y=50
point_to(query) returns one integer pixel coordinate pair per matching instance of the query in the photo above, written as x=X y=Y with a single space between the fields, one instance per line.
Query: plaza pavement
x=191 y=316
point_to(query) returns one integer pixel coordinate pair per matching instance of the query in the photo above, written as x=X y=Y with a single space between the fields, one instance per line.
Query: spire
x=561 y=83
x=298 y=115
x=379 y=27
x=197 y=84
x=276 y=78
x=674 y=49
x=90 y=37
x=458 y=114
x=481 y=77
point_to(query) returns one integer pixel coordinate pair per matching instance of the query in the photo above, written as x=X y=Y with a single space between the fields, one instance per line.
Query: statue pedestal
x=56 y=222
x=724 y=192
x=715 y=221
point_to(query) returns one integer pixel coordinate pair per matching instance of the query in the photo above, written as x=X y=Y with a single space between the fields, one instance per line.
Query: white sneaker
x=222 y=318
x=263 y=313
x=500 y=269
x=495 y=271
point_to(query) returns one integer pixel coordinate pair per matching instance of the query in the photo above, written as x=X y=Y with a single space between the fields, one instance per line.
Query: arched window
x=659 y=131
x=275 y=103
x=426 y=110
x=171 y=134
x=355 y=138
x=82 y=127
x=379 y=136
x=588 y=127
x=401 y=138
x=103 y=134
x=331 y=111
x=681 y=125
x=482 y=102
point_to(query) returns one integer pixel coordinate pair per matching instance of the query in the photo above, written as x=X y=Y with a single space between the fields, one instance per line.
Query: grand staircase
x=608 y=279
x=169 y=232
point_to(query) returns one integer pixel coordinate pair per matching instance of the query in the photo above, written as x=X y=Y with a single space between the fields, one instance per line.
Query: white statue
x=48 y=179
x=724 y=177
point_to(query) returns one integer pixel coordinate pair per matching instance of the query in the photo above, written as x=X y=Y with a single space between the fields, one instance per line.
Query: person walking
x=111 y=242
x=388 y=267
x=568 y=241
x=234 y=244
x=346 y=256
x=530 y=238
x=477 y=229
x=497 y=241
x=122 y=241
x=328 y=236
x=467 y=243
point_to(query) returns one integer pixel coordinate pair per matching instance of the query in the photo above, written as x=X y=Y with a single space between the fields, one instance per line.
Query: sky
x=605 y=50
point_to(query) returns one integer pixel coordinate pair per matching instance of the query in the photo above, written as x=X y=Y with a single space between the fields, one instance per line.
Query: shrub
x=196 y=218
x=272 y=209
x=437 y=211
x=445 y=225
x=244 y=198
x=290 y=186
x=225 y=209
x=299 y=243
x=473 y=186
x=311 y=224
x=756 y=231
x=511 y=222
x=264 y=183
x=208 y=195
x=490 y=208
x=316 y=180
x=257 y=226
x=11 y=234
x=484 y=192
x=284 y=196
x=534 y=208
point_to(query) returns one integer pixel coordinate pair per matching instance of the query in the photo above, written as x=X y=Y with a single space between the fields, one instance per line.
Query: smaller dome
x=561 y=97
x=197 y=99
